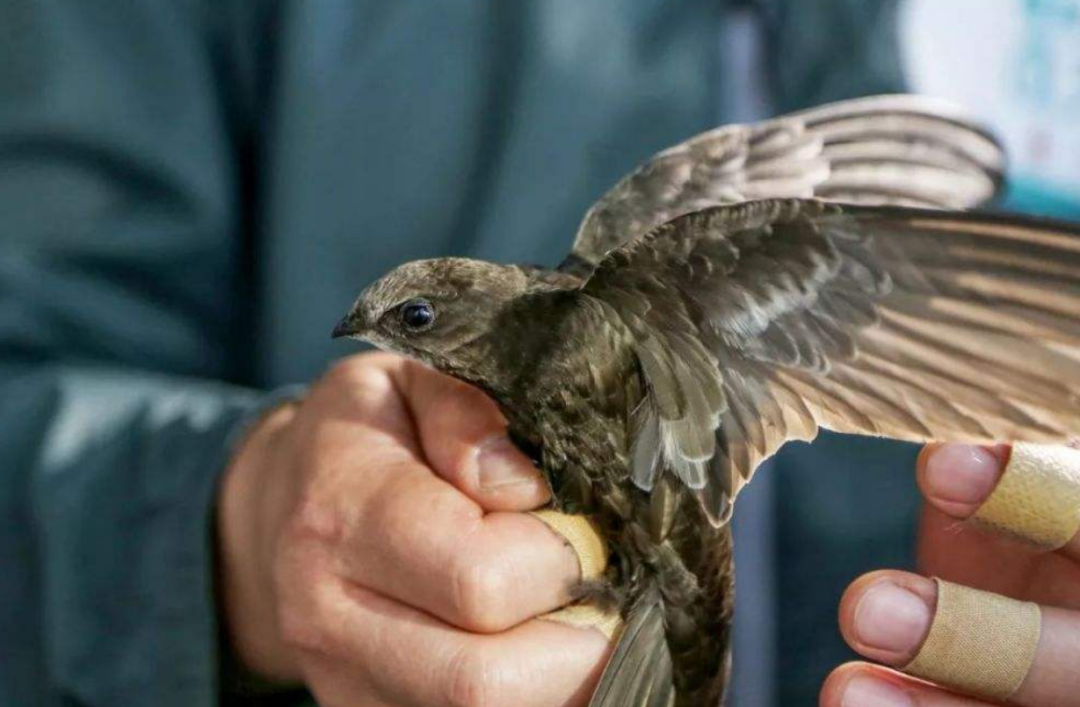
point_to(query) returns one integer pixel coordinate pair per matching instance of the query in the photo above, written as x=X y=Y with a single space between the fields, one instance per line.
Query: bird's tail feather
x=639 y=673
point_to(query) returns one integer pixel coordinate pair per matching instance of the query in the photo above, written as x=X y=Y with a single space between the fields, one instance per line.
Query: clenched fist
x=374 y=549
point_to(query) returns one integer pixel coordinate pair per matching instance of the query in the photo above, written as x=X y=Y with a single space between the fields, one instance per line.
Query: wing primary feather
x=905 y=150
x=639 y=672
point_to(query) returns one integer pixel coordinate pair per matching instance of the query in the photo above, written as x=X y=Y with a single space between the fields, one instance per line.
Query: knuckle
x=458 y=395
x=481 y=595
x=474 y=680
x=302 y=631
x=343 y=370
x=365 y=371
x=313 y=521
x=469 y=409
x=300 y=570
x=301 y=620
x=454 y=401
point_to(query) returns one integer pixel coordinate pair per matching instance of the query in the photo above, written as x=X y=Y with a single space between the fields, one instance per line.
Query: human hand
x=372 y=550
x=886 y=615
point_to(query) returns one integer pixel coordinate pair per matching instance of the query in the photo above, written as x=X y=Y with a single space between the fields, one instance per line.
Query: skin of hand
x=886 y=615
x=373 y=548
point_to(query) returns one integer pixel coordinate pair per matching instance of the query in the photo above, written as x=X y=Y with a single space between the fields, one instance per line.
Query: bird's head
x=438 y=311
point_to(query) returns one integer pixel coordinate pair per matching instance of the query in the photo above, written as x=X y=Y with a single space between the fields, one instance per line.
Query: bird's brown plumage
x=900 y=150
x=653 y=376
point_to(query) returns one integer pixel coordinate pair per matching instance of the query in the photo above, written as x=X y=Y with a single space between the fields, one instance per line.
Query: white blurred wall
x=1016 y=63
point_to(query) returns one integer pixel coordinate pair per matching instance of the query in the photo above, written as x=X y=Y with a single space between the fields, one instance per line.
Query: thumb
x=465 y=441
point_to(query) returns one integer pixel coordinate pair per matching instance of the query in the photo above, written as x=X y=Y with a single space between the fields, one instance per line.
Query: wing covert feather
x=778 y=317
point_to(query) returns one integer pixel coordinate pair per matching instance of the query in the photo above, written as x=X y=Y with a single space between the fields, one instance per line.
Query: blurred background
x=192 y=192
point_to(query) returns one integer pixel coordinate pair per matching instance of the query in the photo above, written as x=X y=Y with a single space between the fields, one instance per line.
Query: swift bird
x=720 y=301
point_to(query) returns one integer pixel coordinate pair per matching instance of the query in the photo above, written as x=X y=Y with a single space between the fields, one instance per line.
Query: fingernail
x=892 y=619
x=865 y=691
x=961 y=473
x=501 y=464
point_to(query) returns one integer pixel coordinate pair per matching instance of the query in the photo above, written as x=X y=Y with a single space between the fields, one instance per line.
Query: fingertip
x=862 y=685
x=958 y=478
x=832 y=690
x=566 y=663
x=506 y=479
x=498 y=477
x=886 y=615
x=590 y=643
x=851 y=595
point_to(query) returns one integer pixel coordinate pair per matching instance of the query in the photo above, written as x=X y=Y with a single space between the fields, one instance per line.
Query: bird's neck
x=504 y=360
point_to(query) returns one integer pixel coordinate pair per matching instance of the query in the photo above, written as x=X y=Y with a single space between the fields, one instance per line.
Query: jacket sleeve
x=120 y=301
x=817 y=51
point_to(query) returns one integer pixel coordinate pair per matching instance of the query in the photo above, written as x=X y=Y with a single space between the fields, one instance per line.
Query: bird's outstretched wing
x=900 y=149
x=758 y=323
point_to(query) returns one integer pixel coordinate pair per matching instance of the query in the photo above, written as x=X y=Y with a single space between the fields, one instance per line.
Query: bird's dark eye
x=417 y=314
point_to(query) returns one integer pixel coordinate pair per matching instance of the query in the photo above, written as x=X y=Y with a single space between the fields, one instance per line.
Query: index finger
x=957 y=479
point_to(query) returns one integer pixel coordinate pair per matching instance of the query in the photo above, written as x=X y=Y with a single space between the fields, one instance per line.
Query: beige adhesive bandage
x=1038 y=497
x=981 y=643
x=583 y=537
x=585 y=540
x=608 y=623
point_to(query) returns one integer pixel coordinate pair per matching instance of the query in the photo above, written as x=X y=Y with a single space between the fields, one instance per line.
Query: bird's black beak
x=346 y=327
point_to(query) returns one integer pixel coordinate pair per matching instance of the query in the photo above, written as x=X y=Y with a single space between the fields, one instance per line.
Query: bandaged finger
x=584 y=538
x=980 y=643
x=587 y=616
x=1037 y=498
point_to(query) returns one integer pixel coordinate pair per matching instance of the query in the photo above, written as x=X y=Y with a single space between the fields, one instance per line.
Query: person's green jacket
x=191 y=193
